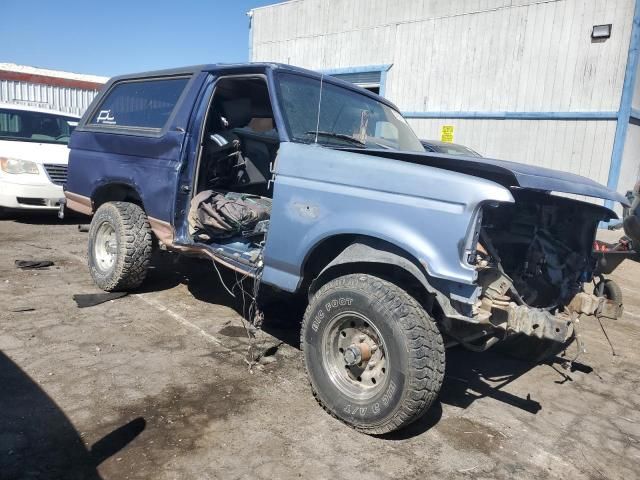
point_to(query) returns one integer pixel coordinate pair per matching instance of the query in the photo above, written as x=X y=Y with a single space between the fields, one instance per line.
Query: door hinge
x=185 y=188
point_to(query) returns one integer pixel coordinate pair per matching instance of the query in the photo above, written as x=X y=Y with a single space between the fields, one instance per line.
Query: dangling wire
x=215 y=265
x=251 y=314
x=613 y=351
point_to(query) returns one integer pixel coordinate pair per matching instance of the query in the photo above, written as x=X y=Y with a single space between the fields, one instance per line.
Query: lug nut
x=362 y=338
x=352 y=356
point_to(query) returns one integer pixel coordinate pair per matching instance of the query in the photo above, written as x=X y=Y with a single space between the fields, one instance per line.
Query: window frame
x=336 y=82
x=217 y=77
x=153 y=132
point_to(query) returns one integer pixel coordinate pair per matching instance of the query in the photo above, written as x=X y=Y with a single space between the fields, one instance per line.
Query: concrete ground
x=155 y=385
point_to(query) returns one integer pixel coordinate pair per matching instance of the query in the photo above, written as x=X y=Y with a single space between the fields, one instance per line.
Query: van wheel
x=119 y=246
x=374 y=357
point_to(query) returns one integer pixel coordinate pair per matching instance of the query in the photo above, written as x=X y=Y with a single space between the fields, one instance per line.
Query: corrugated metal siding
x=534 y=58
x=359 y=78
x=630 y=171
x=463 y=55
x=70 y=100
x=474 y=55
x=582 y=147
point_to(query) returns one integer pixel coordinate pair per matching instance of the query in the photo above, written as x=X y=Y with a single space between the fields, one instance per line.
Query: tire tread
x=136 y=247
x=426 y=348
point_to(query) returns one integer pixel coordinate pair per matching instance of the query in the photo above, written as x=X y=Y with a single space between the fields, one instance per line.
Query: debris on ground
x=83 y=228
x=38 y=246
x=33 y=264
x=268 y=354
x=84 y=300
x=22 y=309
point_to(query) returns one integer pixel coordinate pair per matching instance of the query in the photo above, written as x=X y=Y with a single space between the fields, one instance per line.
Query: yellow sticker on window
x=446 y=133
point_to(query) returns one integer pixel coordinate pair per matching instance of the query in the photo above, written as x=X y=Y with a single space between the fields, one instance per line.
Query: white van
x=33 y=156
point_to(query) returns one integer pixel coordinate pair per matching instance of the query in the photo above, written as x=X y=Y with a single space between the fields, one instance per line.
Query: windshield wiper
x=386 y=147
x=340 y=136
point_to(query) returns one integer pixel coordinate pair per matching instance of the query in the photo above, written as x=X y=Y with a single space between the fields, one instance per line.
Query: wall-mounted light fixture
x=601 y=32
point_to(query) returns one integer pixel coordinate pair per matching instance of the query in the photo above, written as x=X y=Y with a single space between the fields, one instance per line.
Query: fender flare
x=366 y=250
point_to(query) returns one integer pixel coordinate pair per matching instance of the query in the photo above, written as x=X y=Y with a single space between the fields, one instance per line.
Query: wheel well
x=315 y=275
x=116 y=192
x=323 y=253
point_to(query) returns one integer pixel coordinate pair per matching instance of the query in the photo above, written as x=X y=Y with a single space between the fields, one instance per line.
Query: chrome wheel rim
x=105 y=247
x=355 y=356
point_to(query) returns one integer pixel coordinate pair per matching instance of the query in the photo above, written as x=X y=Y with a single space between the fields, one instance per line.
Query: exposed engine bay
x=544 y=245
x=533 y=258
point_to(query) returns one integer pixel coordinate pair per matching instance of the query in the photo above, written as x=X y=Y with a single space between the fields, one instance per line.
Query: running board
x=217 y=255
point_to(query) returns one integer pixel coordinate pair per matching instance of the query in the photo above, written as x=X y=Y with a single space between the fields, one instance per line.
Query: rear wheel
x=120 y=246
x=609 y=290
x=374 y=357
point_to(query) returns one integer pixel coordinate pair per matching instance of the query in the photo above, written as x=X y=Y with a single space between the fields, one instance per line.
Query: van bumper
x=30 y=197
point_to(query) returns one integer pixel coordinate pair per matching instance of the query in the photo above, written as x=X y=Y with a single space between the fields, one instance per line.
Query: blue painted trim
x=515 y=115
x=383 y=69
x=383 y=82
x=635 y=112
x=361 y=69
x=624 y=114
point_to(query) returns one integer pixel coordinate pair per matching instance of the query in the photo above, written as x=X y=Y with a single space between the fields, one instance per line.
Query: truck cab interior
x=231 y=206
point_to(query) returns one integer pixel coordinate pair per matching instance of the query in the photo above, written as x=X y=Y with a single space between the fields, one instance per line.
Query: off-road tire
x=134 y=246
x=416 y=352
x=611 y=291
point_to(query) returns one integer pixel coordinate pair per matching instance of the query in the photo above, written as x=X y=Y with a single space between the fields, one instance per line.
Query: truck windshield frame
x=346 y=116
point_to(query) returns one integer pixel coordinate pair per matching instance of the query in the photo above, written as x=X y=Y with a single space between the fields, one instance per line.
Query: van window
x=33 y=126
x=140 y=104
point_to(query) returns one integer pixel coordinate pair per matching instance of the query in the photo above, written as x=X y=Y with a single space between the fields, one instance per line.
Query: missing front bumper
x=538 y=323
x=542 y=324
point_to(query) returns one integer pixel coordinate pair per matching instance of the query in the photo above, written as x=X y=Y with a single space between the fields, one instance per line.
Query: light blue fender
x=321 y=192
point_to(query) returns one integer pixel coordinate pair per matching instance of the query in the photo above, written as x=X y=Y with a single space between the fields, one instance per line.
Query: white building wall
x=474 y=56
x=463 y=55
x=582 y=147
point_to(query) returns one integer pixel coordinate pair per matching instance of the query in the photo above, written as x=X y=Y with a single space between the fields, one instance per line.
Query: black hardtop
x=242 y=68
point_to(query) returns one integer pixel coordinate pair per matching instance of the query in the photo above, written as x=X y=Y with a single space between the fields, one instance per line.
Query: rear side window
x=140 y=104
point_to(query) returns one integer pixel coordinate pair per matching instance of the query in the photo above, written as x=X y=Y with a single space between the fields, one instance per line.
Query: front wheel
x=119 y=246
x=374 y=357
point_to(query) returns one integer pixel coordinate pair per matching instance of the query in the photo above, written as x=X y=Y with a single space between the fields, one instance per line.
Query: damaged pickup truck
x=312 y=185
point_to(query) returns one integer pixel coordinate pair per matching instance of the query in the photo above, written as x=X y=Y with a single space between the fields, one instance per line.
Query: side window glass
x=140 y=104
x=10 y=123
